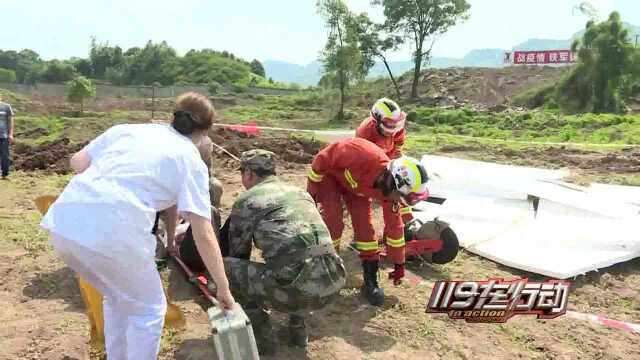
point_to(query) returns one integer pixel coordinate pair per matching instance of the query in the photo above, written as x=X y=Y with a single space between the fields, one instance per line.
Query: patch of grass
x=626 y=304
x=19 y=219
x=536 y=97
x=536 y=126
x=169 y=340
x=518 y=336
x=33 y=130
x=38 y=129
x=429 y=330
x=25 y=231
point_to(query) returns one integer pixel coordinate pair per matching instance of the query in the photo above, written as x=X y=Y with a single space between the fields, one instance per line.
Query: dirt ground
x=587 y=166
x=43 y=314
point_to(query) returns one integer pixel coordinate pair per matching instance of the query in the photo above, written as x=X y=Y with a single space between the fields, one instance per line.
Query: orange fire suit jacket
x=347 y=170
x=391 y=145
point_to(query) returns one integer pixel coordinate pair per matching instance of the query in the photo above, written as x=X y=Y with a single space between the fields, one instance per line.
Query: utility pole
x=153 y=101
x=154 y=85
x=637 y=35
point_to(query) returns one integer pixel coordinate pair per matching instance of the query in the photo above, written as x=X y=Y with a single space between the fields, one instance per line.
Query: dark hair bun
x=183 y=123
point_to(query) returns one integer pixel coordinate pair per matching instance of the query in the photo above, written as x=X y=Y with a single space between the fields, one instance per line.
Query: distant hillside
x=490 y=58
x=283 y=71
x=310 y=74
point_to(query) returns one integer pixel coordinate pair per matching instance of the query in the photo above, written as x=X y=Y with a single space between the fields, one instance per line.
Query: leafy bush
x=239 y=89
x=80 y=89
x=7 y=76
x=412 y=116
x=214 y=87
x=607 y=61
x=536 y=97
x=58 y=72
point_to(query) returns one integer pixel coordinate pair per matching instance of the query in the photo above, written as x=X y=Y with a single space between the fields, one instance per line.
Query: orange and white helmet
x=410 y=177
x=388 y=115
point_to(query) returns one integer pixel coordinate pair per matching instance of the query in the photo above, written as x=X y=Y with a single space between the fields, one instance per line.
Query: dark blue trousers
x=4 y=156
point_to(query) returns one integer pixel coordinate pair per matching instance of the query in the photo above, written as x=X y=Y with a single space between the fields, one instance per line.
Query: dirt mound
x=484 y=87
x=54 y=156
x=288 y=149
x=51 y=156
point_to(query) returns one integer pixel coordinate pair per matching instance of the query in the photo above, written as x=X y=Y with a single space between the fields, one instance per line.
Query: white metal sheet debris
x=528 y=219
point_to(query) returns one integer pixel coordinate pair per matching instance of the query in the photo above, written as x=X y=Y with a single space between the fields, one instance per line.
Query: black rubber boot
x=262 y=330
x=298 y=335
x=371 y=290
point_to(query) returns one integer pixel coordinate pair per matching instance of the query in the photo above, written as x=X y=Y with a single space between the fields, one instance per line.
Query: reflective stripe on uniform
x=405 y=210
x=314 y=176
x=350 y=180
x=367 y=246
x=395 y=242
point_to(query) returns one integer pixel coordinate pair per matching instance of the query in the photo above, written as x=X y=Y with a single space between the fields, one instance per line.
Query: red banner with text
x=540 y=57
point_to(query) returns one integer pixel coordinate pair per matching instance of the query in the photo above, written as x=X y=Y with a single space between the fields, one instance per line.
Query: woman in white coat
x=101 y=223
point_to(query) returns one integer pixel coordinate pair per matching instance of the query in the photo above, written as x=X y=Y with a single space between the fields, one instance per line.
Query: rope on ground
x=226 y=152
x=263 y=128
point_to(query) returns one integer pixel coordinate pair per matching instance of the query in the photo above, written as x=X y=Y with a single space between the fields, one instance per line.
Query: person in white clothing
x=101 y=223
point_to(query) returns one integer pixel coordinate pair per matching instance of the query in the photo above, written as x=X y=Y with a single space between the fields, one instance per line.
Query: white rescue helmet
x=388 y=115
x=410 y=177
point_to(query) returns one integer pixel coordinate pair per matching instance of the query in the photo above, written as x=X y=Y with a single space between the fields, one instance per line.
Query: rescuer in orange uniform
x=357 y=171
x=385 y=128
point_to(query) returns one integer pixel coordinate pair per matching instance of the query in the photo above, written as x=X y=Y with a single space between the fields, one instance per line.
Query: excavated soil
x=287 y=149
x=50 y=156
x=54 y=156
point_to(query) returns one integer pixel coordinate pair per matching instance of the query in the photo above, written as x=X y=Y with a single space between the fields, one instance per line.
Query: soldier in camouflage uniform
x=301 y=272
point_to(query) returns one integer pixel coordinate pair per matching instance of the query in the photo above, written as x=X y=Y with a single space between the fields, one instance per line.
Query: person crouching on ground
x=301 y=272
x=101 y=223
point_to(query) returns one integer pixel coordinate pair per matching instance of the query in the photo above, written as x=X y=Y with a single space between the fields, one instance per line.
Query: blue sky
x=288 y=30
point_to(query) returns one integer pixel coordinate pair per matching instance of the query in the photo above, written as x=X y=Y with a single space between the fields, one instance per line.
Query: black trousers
x=5 y=158
x=191 y=257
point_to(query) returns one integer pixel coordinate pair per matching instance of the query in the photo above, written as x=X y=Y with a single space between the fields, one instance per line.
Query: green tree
x=103 y=57
x=29 y=67
x=57 y=71
x=7 y=76
x=257 y=68
x=419 y=21
x=607 y=65
x=83 y=66
x=341 y=56
x=327 y=81
x=155 y=62
x=374 y=43
x=205 y=66
x=80 y=89
x=9 y=59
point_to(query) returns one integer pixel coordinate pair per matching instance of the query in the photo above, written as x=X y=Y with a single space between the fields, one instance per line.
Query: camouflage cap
x=258 y=159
